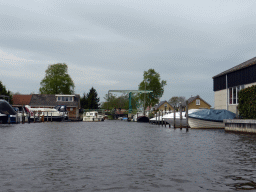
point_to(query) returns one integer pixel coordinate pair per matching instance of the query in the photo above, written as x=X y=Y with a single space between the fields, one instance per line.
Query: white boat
x=92 y=116
x=169 y=118
x=209 y=118
x=55 y=114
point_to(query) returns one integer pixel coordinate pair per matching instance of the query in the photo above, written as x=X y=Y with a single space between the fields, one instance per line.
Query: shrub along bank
x=247 y=103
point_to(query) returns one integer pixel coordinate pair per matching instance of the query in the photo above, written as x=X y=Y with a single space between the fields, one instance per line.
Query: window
x=198 y=102
x=233 y=93
x=230 y=95
x=65 y=98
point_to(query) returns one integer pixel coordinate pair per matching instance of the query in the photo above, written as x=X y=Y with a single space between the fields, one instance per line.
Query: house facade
x=72 y=102
x=226 y=85
x=197 y=102
x=164 y=106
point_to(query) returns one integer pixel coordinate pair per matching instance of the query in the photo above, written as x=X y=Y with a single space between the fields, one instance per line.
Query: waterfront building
x=72 y=102
x=227 y=84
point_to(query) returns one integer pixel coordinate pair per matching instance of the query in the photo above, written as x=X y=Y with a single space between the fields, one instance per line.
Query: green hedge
x=247 y=103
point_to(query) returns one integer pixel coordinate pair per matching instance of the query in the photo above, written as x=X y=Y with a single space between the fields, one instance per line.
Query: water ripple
x=123 y=156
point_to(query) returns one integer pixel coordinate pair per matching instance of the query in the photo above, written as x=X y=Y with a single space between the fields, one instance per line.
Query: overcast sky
x=108 y=44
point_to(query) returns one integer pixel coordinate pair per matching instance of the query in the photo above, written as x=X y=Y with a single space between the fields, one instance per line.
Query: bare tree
x=175 y=101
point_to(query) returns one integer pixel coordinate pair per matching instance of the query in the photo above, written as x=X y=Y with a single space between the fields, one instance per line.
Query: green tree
x=84 y=102
x=57 y=80
x=247 y=102
x=151 y=81
x=4 y=92
x=118 y=102
x=92 y=99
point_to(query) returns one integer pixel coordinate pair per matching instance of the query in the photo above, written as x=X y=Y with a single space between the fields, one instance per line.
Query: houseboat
x=92 y=116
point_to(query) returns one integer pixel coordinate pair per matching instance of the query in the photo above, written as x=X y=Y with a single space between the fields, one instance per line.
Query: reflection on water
x=123 y=156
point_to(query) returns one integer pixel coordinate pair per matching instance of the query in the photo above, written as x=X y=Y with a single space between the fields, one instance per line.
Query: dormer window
x=65 y=98
x=198 y=102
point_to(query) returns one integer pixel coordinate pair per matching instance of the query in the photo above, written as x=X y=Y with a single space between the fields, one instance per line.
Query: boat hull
x=177 y=122
x=204 y=124
x=143 y=119
x=89 y=119
x=3 y=118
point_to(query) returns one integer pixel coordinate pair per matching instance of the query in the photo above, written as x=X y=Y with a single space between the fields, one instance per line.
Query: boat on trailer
x=209 y=118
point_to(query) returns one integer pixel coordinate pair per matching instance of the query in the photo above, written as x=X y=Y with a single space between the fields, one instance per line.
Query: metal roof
x=238 y=67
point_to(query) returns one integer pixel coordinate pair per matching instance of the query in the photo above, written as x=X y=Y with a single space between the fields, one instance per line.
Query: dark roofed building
x=228 y=83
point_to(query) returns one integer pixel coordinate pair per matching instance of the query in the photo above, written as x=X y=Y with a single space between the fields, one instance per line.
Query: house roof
x=238 y=67
x=21 y=99
x=191 y=99
x=50 y=100
x=161 y=103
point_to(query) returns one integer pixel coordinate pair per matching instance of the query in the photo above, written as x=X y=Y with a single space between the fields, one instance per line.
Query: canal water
x=123 y=156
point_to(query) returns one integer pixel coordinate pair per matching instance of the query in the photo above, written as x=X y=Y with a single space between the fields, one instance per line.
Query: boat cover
x=6 y=108
x=212 y=115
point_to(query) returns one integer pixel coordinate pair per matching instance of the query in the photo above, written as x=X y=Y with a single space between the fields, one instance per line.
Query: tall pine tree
x=92 y=99
x=4 y=92
x=84 y=102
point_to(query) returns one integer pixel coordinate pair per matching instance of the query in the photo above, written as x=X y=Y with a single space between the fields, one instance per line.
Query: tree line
x=58 y=81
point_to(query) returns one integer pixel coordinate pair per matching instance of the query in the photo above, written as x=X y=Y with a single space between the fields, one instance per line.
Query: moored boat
x=5 y=111
x=143 y=119
x=169 y=118
x=209 y=118
x=59 y=113
x=92 y=116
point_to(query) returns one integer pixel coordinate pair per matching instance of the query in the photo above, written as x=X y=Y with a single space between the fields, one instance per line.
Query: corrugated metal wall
x=240 y=77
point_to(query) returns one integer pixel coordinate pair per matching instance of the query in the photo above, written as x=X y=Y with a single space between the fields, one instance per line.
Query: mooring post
x=174 y=113
x=9 y=119
x=28 y=118
x=159 y=116
x=162 y=118
x=180 y=116
x=187 y=114
x=47 y=116
x=34 y=117
x=22 y=116
x=51 y=116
